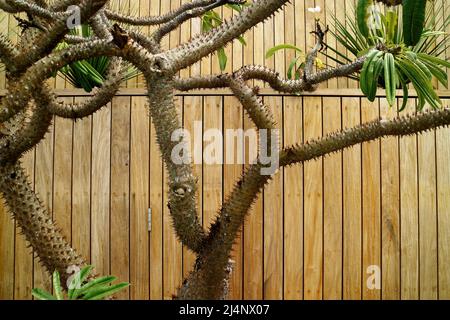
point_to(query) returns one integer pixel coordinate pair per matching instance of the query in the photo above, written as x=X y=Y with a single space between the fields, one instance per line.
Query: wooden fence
x=318 y=231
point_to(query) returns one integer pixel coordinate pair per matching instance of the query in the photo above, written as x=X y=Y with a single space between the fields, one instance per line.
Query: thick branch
x=182 y=183
x=100 y=98
x=54 y=252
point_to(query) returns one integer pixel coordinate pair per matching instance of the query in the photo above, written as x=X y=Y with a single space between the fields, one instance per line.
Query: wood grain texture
x=273 y=217
x=120 y=190
x=352 y=205
x=390 y=211
x=332 y=202
x=313 y=205
x=371 y=204
x=139 y=199
x=293 y=204
x=312 y=235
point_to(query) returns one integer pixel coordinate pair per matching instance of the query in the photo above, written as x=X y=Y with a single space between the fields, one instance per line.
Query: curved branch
x=40 y=71
x=44 y=236
x=100 y=98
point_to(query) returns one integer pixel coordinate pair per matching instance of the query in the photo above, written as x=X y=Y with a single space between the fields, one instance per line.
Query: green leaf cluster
x=90 y=73
x=392 y=61
x=80 y=288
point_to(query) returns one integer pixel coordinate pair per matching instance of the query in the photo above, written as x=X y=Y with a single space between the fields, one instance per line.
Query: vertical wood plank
x=62 y=171
x=371 y=204
x=101 y=184
x=390 y=221
x=332 y=199
x=443 y=193
x=139 y=200
x=253 y=235
x=426 y=146
x=212 y=172
x=156 y=205
x=313 y=207
x=81 y=188
x=273 y=217
x=293 y=203
x=120 y=191
x=352 y=205
x=409 y=214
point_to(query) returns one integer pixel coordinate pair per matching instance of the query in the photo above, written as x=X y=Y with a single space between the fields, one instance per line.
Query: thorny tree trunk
x=29 y=105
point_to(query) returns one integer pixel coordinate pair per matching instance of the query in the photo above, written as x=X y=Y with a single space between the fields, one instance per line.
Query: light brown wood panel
x=332 y=202
x=371 y=206
x=81 y=185
x=390 y=211
x=101 y=184
x=273 y=214
x=409 y=214
x=139 y=199
x=313 y=205
x=443 y=194
x=384 y=204
x=120 y=190
x=253 y=235
x=426 y=146
x=156 y=205
x=293 y=204
x=352 y=205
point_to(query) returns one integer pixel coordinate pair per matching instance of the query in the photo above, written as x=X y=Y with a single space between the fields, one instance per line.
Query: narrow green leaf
x=222 y=59
x=362 y=15
x=413 y=20
x=103 y=292
x=42 y=294
x=389 y=78
x=57 y=286
x=273 y=50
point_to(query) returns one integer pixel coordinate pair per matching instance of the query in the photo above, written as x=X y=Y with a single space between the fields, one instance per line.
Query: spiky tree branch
x=28 y=108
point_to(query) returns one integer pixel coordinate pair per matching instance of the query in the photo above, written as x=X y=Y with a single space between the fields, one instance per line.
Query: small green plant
x=400 y=46
x=80 y=288
x=90 y=73
x=400 y=49
x=211 y=20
